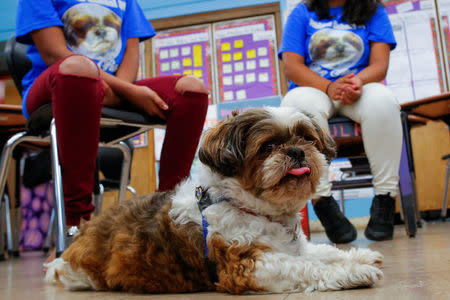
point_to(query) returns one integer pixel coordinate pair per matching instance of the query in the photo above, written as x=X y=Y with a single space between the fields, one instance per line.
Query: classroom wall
x=153 y=9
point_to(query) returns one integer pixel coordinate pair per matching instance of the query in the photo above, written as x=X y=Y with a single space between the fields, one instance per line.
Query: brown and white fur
x=154 y=243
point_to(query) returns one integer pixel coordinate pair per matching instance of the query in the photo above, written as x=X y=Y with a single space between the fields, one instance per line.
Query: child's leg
x=74 y=87
x=188 y=102
x=378 y=112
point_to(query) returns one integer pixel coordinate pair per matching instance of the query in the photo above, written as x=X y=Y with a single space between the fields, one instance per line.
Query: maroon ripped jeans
x=77 y=102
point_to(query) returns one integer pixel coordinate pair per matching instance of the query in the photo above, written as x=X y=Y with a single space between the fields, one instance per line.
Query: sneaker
x=337 y=227
x=381 y=223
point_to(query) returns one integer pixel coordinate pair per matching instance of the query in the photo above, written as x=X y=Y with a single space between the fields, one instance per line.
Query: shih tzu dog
x=234 y=229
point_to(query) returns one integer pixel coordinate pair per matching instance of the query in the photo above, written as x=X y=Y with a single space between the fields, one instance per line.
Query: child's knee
x=190 y=84
x=79 y=65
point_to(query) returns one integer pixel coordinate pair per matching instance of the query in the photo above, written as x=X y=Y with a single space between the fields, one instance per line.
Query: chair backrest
x=18 y=62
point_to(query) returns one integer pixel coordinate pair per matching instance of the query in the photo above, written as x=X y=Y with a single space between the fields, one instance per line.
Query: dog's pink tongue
x=299 y=171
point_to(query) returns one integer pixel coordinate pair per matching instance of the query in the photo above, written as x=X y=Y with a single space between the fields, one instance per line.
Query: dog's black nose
x=340 y=48
x=297 y=154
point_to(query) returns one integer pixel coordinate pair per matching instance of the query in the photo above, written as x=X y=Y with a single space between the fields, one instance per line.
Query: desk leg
x=407 y=181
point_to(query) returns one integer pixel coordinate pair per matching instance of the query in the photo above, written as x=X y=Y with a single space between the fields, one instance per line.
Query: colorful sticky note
x=237 y=56
x=174 y=52
x=198 y=73
x=251 y=54
x=250 y=77
x=239 y=66
x=175 y=65
x=226 y=47
x=198 y=56
x=251 y=65
x=263 y=77
x=227 y=80
x=187 y=62
x=227 y=68
x=238 y=44
x=241 y=94
x=163 y=54
x=264 y=63
x=187 y=72
x=226 y=57
x=185 y=51
x=165 y=67
x=228 y=96
x=239 y=79
x=262 y=51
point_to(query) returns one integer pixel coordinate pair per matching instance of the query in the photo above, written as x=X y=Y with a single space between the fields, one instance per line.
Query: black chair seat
x=39 y=122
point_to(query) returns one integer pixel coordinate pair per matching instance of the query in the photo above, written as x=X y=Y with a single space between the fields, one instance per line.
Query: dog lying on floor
x=259 y=168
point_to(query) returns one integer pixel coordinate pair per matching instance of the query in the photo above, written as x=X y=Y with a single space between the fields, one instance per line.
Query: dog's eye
x=309 y=138
x=267 y=147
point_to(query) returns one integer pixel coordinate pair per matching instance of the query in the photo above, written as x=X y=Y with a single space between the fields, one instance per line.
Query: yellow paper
x=198 y=73
x=187 y=62
x=238 y=43
x=198 y=58
x=187 y=72
x=226 y=47
x=237 y=56
x=226 y=57
x=251 y=54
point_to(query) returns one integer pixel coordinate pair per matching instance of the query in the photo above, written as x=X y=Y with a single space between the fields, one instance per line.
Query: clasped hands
x=347 y=89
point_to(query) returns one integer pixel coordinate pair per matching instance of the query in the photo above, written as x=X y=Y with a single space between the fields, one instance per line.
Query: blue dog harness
x=203 y=201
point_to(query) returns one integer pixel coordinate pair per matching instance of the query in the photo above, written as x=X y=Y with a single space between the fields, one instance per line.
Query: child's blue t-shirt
x=98 y=29
x=332 y=48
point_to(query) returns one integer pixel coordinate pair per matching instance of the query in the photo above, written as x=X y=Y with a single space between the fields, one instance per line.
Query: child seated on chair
x=325 y=43
x=86 y=55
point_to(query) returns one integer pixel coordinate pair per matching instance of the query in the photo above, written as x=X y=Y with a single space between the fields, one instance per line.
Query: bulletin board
x=444 y=12
x=185 y=50
x=246 y=59
x=416 y=68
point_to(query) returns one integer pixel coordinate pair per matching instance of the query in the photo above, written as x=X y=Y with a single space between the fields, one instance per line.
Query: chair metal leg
x=6 y=157
x=2 y=240
x=51 y=227
x=406 y=184
x=131 y=190
x=126 y=165
x=9 y=236
x=98 y=200
x=58 y=196
x=342 y=201
x=444 y=201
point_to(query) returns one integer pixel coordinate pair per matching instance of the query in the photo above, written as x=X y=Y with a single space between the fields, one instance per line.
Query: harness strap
x=203 y=201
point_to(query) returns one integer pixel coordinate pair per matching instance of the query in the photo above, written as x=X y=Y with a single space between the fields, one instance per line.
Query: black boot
x=381 y=223
x=338 y=229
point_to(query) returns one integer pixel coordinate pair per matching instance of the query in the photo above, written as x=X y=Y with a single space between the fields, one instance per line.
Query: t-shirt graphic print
x=94 y=31
x=336 y=50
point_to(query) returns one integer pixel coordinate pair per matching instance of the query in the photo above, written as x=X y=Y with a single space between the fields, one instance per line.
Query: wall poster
x=246 y=58
x=185 y=50
x=444 y=12
x=416 y=65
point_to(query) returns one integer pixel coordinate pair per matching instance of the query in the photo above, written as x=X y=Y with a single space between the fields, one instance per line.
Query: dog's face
x=277 y=154
x=335 y=49
x=92 y=30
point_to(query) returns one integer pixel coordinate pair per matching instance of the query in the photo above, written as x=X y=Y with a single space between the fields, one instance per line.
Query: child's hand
x=148 y=100
x=351 y=89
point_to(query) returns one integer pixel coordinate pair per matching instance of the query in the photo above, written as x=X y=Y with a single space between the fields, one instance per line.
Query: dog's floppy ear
x=223 y=147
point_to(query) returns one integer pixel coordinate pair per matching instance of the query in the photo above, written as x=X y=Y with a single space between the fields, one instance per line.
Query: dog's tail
x=59 y=272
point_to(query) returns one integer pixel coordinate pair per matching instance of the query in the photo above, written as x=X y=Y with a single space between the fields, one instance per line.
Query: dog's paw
x=363 y=275
x=366 y=256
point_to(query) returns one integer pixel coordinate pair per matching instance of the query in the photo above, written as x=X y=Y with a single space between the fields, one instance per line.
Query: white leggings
x=378 y=113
